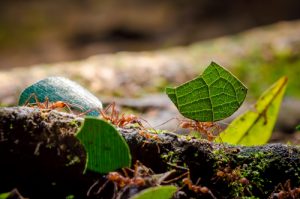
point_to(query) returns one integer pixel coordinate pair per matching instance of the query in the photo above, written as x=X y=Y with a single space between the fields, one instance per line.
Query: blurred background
x=36 y=31
x=109 y=45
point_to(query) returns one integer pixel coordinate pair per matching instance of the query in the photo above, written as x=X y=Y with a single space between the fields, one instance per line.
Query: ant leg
x=125 y=173
x=156 y=144
x=175 y=179
x=28 y=99
x=91 y=187
x=32 y=95
x=104 y=114
x=109 y=106
x=46 y=103
x=114 y=114
x=76 y=106
x=90 y=110
x=166 y=122
x=69 y=108
x=158 y=149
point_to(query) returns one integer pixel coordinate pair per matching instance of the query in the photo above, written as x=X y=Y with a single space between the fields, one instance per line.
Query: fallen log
x=37 y=148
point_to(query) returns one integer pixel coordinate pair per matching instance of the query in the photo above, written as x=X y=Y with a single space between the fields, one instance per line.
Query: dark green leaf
x=106 y=148
x=162 y=192
x=62 y=89
x=298 y=127
x=213 y=96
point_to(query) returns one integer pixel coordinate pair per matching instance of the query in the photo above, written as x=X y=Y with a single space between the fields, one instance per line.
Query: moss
x=236 y=166
x=254 y=170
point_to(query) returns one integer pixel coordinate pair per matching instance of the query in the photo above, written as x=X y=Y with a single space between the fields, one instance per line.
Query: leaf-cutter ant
x=47 y=104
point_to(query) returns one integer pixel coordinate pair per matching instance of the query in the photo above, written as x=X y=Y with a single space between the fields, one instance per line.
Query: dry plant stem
x=24 y=128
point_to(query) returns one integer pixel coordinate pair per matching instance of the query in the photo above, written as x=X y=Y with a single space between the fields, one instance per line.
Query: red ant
x=122 y=181
x=196 y=188
x=115 y=119
x=50 y=105
x=202 y=127
x=139 y=171
x=152 y=136
x=285 y=191
x=229 y=174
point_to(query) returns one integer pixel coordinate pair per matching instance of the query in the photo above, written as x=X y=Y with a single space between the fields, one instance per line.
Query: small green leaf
x=106 y=148
x=62 y=89
x=213 y=96
x=162 y=192
x=4 y=195
x=254 y=127
x=298 y=127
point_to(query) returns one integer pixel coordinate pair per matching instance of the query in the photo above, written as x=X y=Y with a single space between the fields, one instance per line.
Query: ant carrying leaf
x=213 y=96
x=61 y=92
x=47 y=104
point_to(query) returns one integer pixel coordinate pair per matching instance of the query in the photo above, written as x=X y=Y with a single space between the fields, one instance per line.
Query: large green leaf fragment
x=254 y=127
x=162 y=192
x=106 y=148
x=213 y=96
x=62 y=89
x=298 y=127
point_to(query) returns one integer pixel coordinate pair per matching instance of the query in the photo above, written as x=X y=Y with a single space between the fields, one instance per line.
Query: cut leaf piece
x=254 y=127
x=213 y=96
x=106 y=148
x=162 y=192
x=298 y=127
x=62 y=89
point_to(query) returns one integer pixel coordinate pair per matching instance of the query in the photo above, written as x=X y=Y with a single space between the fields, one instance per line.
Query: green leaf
x=162 y=192
x=213 y=96
x=254 y=127
x=62 y=89
x=4 y=195
x=298 y=127
x=106 y=148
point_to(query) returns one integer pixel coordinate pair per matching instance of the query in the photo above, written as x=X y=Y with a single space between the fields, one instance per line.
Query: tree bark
x=37 y=148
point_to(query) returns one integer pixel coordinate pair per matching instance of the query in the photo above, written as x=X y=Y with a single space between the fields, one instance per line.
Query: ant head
x=186 y=181
x=204 y=190
x=113 y=176
x=185 y=124
x=60 y=104
x=139 y=181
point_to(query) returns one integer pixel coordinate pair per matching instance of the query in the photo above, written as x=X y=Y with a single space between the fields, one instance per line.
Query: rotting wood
x=36 y=145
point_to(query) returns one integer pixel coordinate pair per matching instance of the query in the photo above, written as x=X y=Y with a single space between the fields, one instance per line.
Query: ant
x=196 y=188
x=122 y=181
x=139 y=172
x=229 y=174
x=202 y=127
x=50 y=105
x=151 y=136
x=234 y=176
x=285 y=191
x=115 y=119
